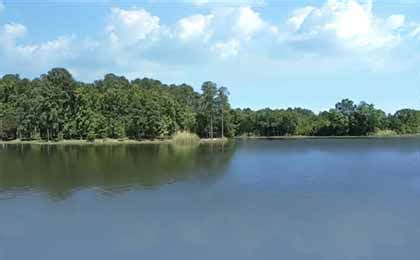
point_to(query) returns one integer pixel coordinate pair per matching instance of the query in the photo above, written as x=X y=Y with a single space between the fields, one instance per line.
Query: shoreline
x=107 y=141
x=297 y=137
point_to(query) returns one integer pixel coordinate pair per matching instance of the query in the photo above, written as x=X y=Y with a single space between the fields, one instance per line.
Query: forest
x=55 y=107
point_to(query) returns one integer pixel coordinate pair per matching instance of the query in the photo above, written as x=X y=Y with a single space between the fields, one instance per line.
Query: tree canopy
x=55 y=106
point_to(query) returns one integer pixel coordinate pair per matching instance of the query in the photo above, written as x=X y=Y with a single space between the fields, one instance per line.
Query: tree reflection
x=60 y=170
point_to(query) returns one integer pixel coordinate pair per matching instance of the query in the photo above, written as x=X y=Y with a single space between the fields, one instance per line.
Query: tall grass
x=384 y=133
x=185 y=138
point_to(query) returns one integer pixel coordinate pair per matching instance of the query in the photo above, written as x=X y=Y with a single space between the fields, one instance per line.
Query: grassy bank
x=191 y=140
x=109 y=141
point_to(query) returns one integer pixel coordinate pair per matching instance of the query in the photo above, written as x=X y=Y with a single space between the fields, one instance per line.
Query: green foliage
x=343 y=120
x=208 y=108
x=366 y=119
x=55 y=107
x=8 y=124
x=406 y=121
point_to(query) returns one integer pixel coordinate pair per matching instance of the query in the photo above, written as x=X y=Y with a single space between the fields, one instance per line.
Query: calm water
x=258 y=199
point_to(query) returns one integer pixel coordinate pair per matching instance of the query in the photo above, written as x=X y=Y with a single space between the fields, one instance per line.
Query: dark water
x=295 y=199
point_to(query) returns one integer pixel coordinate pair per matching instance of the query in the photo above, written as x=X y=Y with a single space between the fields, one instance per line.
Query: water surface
x=328 y=199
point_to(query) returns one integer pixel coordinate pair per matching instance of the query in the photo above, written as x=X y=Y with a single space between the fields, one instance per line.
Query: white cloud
x=46 y=53
x=353 y=25
x=127 y=27
x=416 y=32
x=137 y=42
x=18 y=54
x=241 y=22
x=1 y=6
x=351 y=20
x=299 y=16
x=395 y=21
x=248 y=21
x=216 y=34
x=195 y=26
x=225 y=50
x=14 y=30
x=227 y=31
x=10 y=33
x=224 y=2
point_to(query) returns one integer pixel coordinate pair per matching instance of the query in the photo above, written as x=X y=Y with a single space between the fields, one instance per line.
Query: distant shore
x=293 y=137
x=107 y=141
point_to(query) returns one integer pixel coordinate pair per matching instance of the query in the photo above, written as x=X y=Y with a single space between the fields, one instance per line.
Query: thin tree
x=222 y=98
x=209 y=90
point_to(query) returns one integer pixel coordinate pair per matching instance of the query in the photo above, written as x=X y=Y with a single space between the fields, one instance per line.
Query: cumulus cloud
x=395 y=21
x=248 y=21
x=349 y=23
x=221 y=31
x=225 y=50
x=241 y=22
x=299 y=16
x=10 y=33
x=231 y=2
x=20 y=55
x=239 y=29
x=128 y=27
x=195 y=27
x=416 y=32
x=137 y=40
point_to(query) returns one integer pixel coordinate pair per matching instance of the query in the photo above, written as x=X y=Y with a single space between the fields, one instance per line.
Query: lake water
x=325 y=199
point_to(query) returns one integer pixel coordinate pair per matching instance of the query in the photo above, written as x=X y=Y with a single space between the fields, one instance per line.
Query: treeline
x=345 y=119
x=55 y=107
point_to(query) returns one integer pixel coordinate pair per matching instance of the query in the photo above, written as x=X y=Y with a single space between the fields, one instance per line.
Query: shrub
x=385 y=132
x=185 y=138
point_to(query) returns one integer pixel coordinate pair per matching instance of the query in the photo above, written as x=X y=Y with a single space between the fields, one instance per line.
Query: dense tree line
x=345 y=119
x=55 y=107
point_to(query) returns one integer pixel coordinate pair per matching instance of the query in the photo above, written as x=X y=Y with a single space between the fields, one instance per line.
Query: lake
x=310 y=199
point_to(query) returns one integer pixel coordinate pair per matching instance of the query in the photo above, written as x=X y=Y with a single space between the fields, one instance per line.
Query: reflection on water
x=59 y=170
x=335 y=199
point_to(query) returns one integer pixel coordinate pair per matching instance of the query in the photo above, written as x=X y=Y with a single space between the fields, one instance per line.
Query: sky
x=267 y=53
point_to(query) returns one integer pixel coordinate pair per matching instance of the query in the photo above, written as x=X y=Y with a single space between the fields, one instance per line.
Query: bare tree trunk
x=223 y=130
x=211 y=126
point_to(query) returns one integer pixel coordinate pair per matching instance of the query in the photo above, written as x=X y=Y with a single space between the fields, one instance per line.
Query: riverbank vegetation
x=55 y=107
x=345 y=119
x=185 y=138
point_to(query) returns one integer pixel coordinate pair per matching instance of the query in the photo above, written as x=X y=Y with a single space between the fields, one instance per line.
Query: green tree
x=208 y=105
x=346 y=107
x=406 y=121
x=366 y=119
x=222 y=102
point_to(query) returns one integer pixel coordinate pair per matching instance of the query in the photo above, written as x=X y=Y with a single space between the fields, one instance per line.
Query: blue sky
x=268 y=53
